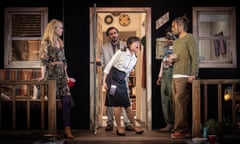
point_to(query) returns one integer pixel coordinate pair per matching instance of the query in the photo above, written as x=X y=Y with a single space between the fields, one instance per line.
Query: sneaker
x=180 y=135
x=109 y=128
x=129 y=128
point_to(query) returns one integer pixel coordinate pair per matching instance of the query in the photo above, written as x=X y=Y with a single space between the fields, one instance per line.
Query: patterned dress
x=55 y=71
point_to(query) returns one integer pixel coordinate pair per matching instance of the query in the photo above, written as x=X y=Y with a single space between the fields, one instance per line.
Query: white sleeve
x=113 y=60
x=160 y=70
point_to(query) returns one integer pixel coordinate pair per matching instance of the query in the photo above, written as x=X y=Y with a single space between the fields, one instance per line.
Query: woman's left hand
x=104 y=87
x=39 y=79
x=68 y=79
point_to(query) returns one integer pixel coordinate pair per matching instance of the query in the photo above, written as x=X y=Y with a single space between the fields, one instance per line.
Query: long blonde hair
x=49 y=33
x=48 y=38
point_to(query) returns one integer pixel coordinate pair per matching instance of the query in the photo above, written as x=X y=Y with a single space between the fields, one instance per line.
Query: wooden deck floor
x=89 y=137
x=100 y=137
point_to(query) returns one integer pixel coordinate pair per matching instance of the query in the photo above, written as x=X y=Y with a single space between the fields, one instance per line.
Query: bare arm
x=104 y=88
x=43 y=69
x=160 y=74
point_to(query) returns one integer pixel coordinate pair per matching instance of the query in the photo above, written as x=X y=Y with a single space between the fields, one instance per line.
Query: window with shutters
x=23 y=29
x=215 y=31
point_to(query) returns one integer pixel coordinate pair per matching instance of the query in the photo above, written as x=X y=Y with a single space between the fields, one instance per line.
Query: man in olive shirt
x=185 y=59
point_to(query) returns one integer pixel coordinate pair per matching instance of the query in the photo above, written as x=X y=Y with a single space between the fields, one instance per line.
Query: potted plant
x=214 y=128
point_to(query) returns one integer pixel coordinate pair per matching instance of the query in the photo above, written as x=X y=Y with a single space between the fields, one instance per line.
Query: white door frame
x=148 y=49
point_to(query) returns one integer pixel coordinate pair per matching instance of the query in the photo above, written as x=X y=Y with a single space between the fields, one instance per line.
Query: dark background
x=75 y=14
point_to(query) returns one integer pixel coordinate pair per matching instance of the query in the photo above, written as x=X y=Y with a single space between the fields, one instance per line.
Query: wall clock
x=108 y=19
x=124 y=20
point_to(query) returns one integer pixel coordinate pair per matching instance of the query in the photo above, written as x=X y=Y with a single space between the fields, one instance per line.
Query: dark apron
x=121 y=97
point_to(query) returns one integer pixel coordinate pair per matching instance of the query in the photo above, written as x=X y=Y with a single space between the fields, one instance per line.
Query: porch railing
x=45 y=86
x=196 y=100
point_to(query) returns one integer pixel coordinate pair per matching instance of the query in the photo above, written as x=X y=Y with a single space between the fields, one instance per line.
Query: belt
x=169 y=67
x=56 y=62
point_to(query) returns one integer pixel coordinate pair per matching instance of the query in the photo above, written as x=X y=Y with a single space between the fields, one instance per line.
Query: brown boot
x=68 y=133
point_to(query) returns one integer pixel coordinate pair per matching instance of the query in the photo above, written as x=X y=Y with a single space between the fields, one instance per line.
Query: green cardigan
x=187 y=52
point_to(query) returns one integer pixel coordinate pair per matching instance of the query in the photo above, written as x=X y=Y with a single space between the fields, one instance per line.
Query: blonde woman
x=54 y=67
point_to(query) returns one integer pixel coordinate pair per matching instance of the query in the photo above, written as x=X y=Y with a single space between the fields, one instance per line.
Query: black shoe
x=129 y=128
x=68 y=136
x=139 y=132
x=109 y=128
x=120 y=134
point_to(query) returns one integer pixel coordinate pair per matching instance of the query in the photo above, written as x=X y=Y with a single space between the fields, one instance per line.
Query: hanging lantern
x=227 y=93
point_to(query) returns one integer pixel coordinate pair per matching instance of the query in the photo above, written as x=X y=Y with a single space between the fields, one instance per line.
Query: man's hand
x=159 y=80
x=172 y=58
x=191 y=78
x=98 y=62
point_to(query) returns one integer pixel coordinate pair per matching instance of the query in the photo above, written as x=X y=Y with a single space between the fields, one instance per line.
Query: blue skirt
x=121 y=97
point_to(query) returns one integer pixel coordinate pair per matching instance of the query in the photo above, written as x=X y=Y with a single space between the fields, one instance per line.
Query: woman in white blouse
x=116 y=73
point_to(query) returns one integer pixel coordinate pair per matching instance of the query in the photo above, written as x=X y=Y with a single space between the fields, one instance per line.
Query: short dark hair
x=132 y=39
x=110 y=28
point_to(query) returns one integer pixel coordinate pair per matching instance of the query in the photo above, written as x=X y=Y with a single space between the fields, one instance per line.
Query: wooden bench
x=17 y=85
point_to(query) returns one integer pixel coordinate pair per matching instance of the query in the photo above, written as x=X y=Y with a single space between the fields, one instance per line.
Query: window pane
x=211 y=24
x=215 y=31
x=23 y=30
x=214 y=50
x=26 y=25
x=25 y=50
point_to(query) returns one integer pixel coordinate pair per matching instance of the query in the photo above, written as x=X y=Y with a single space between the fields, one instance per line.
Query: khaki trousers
x=181 y=97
